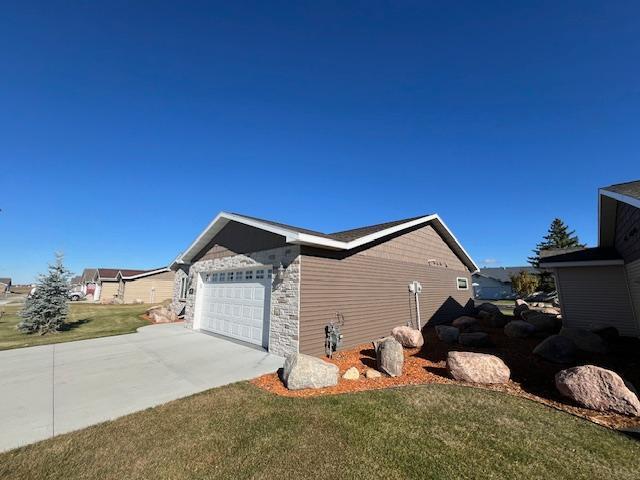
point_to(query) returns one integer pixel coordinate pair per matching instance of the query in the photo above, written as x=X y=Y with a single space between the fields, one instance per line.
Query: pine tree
x=557 y=237
x=46 y=310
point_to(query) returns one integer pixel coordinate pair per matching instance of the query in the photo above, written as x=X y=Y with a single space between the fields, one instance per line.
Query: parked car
x=76 y=296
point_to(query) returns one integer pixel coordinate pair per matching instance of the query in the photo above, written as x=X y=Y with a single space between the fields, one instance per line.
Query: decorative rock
x=474 y=339
x=408 y=337
x=162 y=315
x=519 y=329
x=371 y=373
x=544 y=323
x=304 y=371
x=492 y=315
x=520 y=307
x=477 y=367
x=447 y=333
x=489 y=307
x=585 y=340
x=389 y=356
x=557 y=349
x=466 y=324
x=551 y=311
x=598 y=389
x=351 y=374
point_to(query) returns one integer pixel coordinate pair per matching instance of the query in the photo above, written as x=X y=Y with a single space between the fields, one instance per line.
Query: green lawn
x=431 y=431
x=85 y=321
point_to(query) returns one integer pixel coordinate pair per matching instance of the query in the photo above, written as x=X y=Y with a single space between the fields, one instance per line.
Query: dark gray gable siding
x=627 y=238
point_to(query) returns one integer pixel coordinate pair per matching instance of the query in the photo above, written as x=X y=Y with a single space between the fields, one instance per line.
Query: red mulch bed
x=531 y=377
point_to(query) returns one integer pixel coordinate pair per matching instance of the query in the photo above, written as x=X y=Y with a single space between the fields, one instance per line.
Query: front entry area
x=236 y=304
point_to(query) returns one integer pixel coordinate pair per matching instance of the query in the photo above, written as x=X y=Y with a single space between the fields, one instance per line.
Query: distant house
x=600 y=287
x=129 y=286
x=88 y=282
x=5 y=285
x=495 y=283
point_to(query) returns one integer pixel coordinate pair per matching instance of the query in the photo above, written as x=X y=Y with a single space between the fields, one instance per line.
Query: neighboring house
x=279 y=286
x=600 y=287
x=88 y=281
x=5 y=286
x=495 y=283
x=129 y=286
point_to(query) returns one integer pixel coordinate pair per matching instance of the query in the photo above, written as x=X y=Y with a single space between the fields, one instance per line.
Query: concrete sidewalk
x=53 y=389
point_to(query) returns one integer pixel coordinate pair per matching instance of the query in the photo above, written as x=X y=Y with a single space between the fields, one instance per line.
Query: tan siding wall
x=109 y=290
x=372 y=294
x=238 y=238
x=596 y=297
x=422 y=246
x=633 y=277
x=142 y=288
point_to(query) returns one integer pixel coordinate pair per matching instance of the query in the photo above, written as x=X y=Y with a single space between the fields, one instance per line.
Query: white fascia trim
x=621 y=198
x=146 y=274
x=594 y=263
x=300 y=238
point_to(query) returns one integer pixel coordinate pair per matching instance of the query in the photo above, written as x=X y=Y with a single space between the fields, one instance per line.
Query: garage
x=236 y=304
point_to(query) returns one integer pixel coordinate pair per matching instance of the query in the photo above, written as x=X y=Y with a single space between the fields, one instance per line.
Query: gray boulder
x=408 y=337
x=543 y=322
x=477 y=367
x=447 y=333
x=520 y=307
x=474 y=339
x=304 y=371
x=557 y=349
x=599 y=389
x=389 y=356
x=585 y=340
x=519 y=329
x=488 y=307
x=466 y=324
x=493 y=316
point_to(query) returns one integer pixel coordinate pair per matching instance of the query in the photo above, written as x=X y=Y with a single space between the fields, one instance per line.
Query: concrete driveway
x=53 y=389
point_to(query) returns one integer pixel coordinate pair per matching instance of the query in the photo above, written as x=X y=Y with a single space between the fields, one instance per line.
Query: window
x=463 y=283
x=248 y=274
x=230 y=276
x=222 y=277
x=259 y=274
x=239 y=276
x=215 y=277
x=184 y=283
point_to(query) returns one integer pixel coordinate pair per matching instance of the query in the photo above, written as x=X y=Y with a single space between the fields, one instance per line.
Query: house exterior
x=279 y=286
x=495 y=283
x=5 y=285
x=600 y=287
x=131 y=286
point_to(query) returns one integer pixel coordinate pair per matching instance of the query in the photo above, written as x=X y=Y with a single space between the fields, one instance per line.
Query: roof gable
x=345 y=240
x=608 y=198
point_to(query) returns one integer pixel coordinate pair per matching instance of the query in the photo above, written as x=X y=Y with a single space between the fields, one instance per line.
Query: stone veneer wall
x=285 y=293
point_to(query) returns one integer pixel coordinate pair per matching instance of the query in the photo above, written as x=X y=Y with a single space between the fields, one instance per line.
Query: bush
x=525 y=283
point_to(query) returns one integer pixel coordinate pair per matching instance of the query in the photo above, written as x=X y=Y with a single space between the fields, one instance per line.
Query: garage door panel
x=238 y=308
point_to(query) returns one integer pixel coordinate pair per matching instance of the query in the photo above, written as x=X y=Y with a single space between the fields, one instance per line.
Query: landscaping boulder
x=598 y=389
x=489 y=307
x=551 y=311
x=389 y=356
x=519 y=329
x=585 y=340
x=466 y=324
x=351 y=374
x=161 y=314
x=304 y=371
x=520 y=307
x=477 y=367
x=408 y=337
x=371 y=373
x=474 y=339
x=543 y=322
x=447 y=333
x=492 y=315
x=557 y=349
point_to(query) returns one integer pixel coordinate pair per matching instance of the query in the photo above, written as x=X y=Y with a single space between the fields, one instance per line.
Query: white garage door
x=236 y=304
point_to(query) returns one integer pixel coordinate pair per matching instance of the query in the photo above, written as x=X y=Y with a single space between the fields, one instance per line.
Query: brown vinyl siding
x=370 y=288
x=633 y=279
x=237 y=238
x=596 y=297
x=151 y=289
x=627 y=237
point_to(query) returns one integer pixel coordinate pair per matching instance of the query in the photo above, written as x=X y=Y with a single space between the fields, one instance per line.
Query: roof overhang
x=145 y=274
x=301 y=238
x=607 y=202
x=592 y=263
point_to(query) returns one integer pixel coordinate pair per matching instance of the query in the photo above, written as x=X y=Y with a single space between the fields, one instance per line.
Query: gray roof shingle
x=630 y=189
x=504 y=274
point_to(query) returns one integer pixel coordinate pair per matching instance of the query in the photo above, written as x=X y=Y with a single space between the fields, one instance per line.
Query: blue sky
x=125 y=128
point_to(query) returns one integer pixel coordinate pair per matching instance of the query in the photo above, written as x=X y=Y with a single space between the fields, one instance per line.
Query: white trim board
x=621 y=198
x=300 y=238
